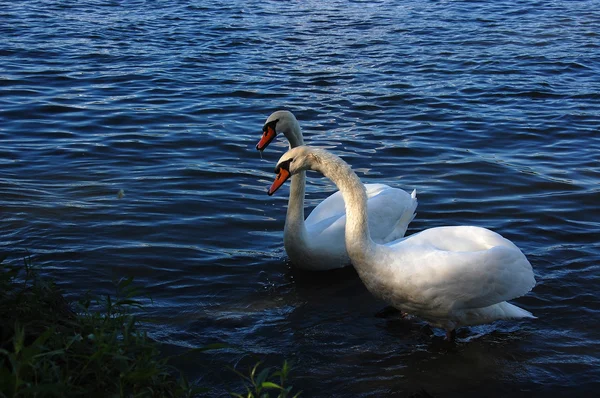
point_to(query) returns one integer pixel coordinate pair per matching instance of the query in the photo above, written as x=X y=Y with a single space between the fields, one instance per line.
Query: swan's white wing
x=330 y=224
x=463 y=267
x=493 y=276
x=328 y=234
x=326 y=224
x=389 y=209
x=334 y=205
x=461 y=280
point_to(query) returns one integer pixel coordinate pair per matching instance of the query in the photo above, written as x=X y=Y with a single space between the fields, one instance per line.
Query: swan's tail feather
x=406 y=218
x=511 y=311
x=503 y=310
x=414 y=204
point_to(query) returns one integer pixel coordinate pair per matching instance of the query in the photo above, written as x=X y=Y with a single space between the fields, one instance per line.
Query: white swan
x=448 y=276
x=318 y=242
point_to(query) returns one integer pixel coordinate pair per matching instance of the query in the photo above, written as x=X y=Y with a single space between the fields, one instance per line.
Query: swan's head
x=280 y=122
x=293 y=162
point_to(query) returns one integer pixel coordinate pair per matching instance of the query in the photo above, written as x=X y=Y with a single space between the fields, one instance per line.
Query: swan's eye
x=271 y=125
x=284 y=165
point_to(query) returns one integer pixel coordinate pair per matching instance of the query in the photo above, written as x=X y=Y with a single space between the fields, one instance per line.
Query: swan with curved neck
x=448 y=276
x=317 y=243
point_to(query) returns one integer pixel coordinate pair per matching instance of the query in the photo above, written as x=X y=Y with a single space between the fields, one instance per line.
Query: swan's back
x=461 y=238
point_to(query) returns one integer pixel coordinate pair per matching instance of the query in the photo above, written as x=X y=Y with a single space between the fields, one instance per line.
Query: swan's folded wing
x=479 y=279
x=330 y=226
x=390 y=211
x=333 y=205
x=330 y=207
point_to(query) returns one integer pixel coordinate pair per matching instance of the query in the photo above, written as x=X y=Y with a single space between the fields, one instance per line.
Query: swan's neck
x=294 y=134
x=294 y=221
x=358 y=239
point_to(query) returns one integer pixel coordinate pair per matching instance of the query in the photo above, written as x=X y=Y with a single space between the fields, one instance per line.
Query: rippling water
x=489 y=109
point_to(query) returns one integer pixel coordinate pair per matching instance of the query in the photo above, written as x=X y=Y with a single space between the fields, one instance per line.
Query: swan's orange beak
x=282 y=177
x=268 y=135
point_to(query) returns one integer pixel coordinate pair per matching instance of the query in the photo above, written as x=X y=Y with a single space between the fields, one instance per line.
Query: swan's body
x=449 y=276
x=318 y=243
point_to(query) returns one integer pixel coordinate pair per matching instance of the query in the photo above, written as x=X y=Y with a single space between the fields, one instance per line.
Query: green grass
x=48 y=349
x=51 y=348
x=266 y=381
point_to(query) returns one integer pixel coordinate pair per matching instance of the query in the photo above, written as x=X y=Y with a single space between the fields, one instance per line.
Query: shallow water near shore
x=128 y=133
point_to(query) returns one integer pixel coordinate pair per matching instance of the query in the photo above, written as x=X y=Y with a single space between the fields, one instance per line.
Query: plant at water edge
x=260 y=384
x=47 y=349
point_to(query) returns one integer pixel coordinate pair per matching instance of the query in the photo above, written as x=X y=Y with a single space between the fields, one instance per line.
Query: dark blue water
x=491 y=110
